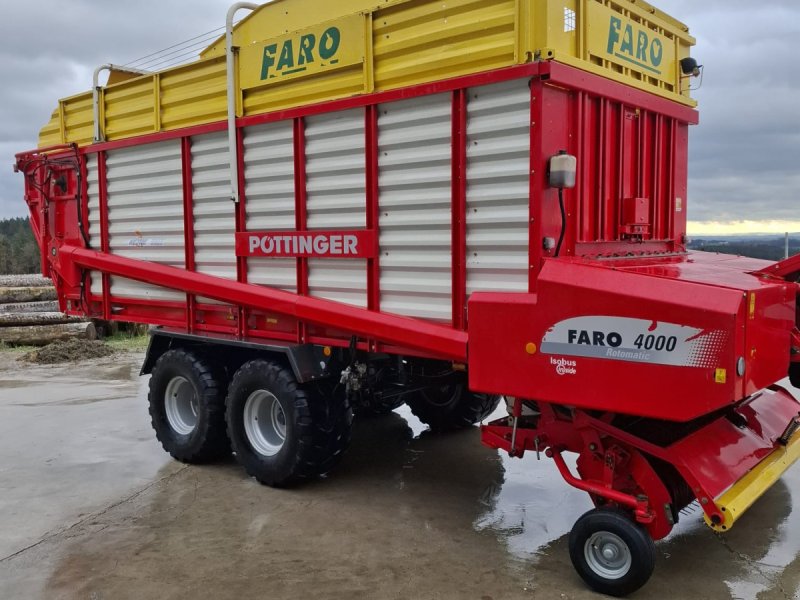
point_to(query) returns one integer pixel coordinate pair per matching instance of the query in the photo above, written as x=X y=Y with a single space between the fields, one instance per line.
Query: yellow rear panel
x=299 y=52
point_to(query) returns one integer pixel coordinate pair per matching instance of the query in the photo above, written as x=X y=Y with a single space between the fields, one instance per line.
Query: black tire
x=315 y=427
x=631 y=566
x=207 y=440
x=379 y=407
x=451 y=406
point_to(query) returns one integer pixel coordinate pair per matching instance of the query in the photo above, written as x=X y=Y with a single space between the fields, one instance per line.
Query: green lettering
x=287 y=56
x=627 y=41
x=307 y=44
x=656 y=52
x=268 y=60
x=613 y=34
x=641 y=47
x=329 y=43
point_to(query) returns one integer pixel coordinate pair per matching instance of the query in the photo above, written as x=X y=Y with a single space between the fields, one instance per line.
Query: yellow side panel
x=428 y=40
x=50 y=134
x=287 y=57
x=285 y=16
x=79 y=119
x=130 y=109
x=194 y=95
x=300 y=92
x=303 y=54
x=629 y=42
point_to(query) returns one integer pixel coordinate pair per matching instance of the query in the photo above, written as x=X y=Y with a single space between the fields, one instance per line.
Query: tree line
x=767 y=249
x=19 y=252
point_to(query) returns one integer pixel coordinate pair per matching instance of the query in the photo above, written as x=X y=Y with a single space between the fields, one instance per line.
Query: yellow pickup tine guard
x=734 y=502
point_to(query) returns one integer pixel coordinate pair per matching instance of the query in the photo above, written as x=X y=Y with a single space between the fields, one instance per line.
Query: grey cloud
x=745 y=155
x=49 y=50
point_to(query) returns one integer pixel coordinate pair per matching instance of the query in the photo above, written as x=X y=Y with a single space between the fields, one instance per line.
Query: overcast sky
x=745 y=155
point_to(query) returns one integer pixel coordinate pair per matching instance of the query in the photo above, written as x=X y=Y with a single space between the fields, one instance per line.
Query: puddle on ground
x=74 y=402
x=406 y=511
x=9 y=384
x=533 y=510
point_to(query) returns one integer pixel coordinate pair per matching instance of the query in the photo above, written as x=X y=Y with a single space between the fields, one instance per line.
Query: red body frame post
x=459 y=209
x=301 y=212
x=104 y=239
x=535 y=235
x=373 y=208
x=188 y=226
x=241 y=226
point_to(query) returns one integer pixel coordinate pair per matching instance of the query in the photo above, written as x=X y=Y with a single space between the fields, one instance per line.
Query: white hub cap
x=608 y=555
x=180 y=405
x=264 y=423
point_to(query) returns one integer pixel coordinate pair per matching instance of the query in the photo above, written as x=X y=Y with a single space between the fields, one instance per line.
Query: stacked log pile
x=29 y=314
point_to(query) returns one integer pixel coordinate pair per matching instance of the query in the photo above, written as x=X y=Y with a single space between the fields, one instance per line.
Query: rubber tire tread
x=379 y=409
x=209 y=441
x=640 y=544
x=465 y=411
x=320 y=425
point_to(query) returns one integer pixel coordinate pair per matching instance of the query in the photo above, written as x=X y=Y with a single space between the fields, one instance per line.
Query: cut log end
x=49 y=318
x=48 y=306
x=24 y=281
x=27 y=294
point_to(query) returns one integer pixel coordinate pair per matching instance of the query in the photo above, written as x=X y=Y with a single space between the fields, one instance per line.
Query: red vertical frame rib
x=102 y=181
x=580 y=152
x=188 y=226
x=83 y=207
x=669 y=205
x=537 y=167
x=659 y=180
x=301 y=211
x=602 y=169
x=373 y=205
x=459 y=209
x=622 y=151
x=241 y=226
x=83 y=204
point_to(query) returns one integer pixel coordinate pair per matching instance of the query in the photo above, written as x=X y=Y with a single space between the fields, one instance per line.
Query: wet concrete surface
x=91 y=508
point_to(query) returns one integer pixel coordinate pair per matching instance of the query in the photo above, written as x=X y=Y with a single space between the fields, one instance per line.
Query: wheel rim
x=181 y=405
x=608 y=555
x=265 y=423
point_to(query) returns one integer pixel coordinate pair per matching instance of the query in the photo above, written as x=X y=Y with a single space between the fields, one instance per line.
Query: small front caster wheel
x=613 y=554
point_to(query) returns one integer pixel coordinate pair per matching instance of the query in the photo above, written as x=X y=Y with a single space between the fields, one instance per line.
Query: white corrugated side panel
x=498 y=187
x=337 y=199
x=145 y=212
x=269 y=190
x=214 y=212
x=415 y=207
x=93 y=203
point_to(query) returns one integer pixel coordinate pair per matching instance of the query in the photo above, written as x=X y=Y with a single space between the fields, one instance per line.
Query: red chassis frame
x=594 y=103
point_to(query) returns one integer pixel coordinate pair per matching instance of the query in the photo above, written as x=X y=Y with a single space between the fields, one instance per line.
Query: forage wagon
x=345 y=206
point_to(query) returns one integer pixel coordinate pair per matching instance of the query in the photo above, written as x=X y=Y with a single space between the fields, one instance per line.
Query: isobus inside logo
x=635 y=45
x=297 y=55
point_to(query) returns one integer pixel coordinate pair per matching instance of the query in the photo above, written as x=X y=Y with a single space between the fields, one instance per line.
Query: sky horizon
x=744 y=156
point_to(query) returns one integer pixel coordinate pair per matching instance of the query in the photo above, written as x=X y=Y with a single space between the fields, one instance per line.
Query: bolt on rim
x=264 y=423
x=608 y=555
x=181 y=405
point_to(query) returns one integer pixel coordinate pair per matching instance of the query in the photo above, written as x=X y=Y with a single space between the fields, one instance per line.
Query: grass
x=5 y=348
x=128 y=342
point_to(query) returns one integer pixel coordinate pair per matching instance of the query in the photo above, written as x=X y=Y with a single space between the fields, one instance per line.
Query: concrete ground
x=91 y=508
